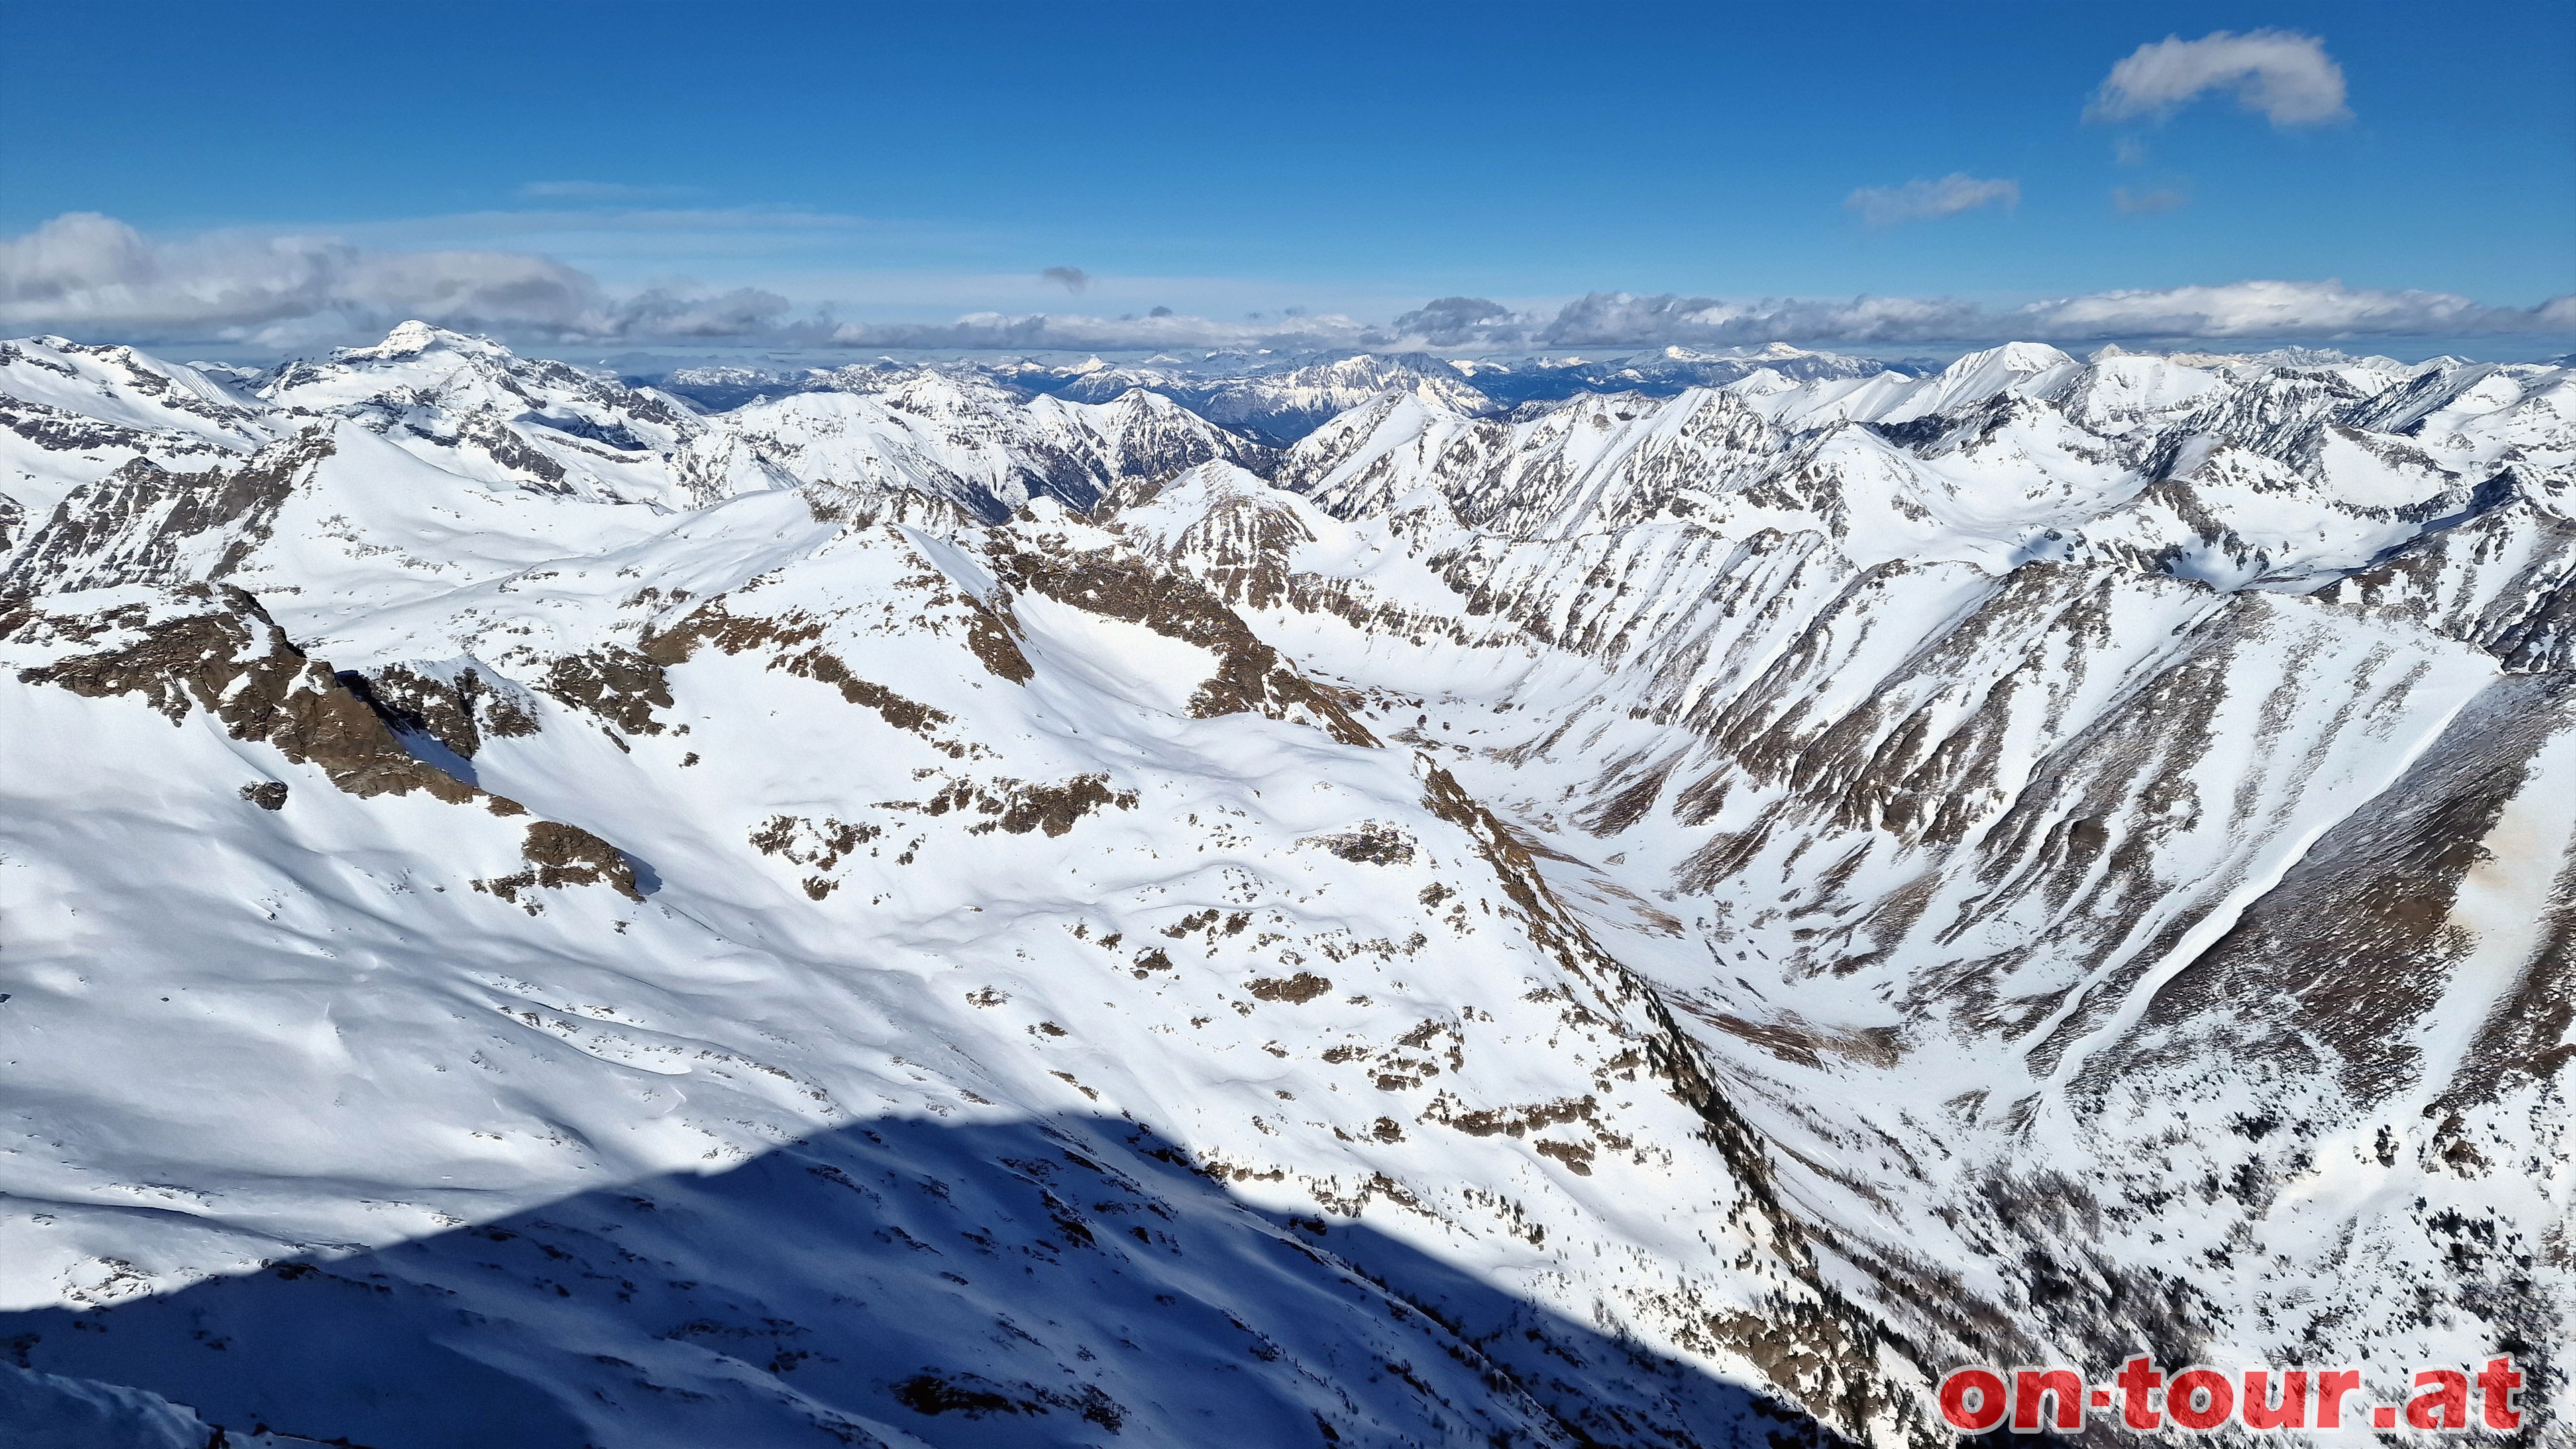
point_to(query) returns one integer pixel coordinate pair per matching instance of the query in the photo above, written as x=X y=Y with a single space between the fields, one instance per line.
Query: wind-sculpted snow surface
x=914 y=913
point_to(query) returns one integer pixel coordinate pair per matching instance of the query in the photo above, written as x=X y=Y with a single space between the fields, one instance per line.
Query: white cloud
x=82 y=272
x=2263 y=309
x=1926 y=200
x=2285 y=75
x=2321 y=310
x=2268 y=309
x=1459 y=321
x=92 y=275
x=1618 y=319
x=96 y=278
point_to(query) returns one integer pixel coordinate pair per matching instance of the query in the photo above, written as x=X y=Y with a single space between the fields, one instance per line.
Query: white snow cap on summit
x=412 y=338
x=408 y=339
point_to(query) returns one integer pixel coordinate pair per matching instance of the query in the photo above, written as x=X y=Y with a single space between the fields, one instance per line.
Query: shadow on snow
x=899 y=1282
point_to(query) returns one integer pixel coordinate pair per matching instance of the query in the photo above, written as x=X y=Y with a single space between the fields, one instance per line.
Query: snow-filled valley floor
x=912 y=912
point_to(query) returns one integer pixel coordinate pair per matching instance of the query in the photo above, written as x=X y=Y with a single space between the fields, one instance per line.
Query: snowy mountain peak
x=952 y=905
x=411 y=339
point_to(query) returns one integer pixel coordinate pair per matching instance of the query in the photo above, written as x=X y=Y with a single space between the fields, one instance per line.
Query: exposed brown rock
x=712 y=623
x=563 y=855
x=994 y=640
x=620 y=685
x=1296 y=990
x=1020 y=807
x=138 y=524
x=1512 y=1121
x=2356 y=943
x=806 y=843
x=457 y=712
x=567 y=855
x=234 y=663
x=1830 y=1343
x=1369 y=843
x=1576 y=1156
x=1250 y=676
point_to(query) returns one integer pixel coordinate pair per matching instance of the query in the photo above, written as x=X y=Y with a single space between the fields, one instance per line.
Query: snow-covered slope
x=937 y=433
x=911 y=913
x=476 y=409
x=1275 y=401
x=72 y=413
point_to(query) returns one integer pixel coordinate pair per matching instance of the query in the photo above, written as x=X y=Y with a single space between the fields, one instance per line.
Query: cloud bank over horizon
x=93 y=277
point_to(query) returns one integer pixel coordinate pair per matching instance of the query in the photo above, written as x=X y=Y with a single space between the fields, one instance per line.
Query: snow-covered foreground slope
x=1640 y=922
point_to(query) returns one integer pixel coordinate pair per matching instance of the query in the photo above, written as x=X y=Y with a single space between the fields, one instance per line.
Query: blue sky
x=916 y=162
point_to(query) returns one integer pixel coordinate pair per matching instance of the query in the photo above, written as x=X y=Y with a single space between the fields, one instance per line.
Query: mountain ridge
x=1812 y=880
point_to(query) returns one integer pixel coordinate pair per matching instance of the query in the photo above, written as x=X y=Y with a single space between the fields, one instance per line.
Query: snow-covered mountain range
x=1276 y=400
x=1362 y=903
